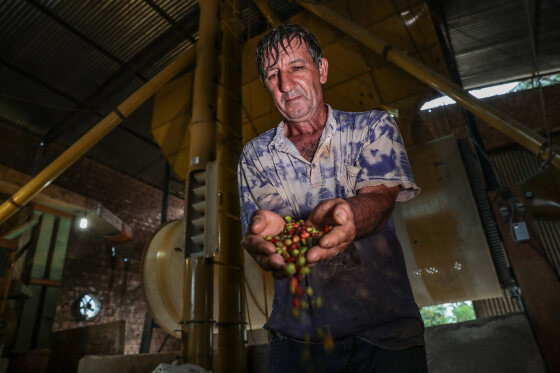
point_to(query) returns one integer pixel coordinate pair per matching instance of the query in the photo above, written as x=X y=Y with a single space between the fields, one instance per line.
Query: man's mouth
x=292 y=99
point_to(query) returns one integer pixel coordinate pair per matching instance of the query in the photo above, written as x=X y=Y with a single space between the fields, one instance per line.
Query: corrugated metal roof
x=30 y=105
x=178 y=9
x=49 y=52
x=491 y=39
x=58 y=54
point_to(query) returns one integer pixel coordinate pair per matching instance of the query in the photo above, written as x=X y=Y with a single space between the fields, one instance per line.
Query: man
x=330 y=168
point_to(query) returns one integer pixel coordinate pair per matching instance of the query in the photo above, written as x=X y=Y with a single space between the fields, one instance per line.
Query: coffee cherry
x=328 y=343
x=290 y=269
x=292 y=244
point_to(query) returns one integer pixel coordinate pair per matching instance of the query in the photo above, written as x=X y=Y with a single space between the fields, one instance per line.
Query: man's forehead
x=287 y=48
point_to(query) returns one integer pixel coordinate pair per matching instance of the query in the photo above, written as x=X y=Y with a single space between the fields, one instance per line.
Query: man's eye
x=271 y=76
x=296 y=68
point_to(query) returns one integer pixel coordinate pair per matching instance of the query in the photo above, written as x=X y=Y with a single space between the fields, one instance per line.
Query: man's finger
x=336 y=236
x=270 y=262
x=266 y=223
x=342 y=214
x=258 y=223
x=318 y=253
x=320 y=215
x=258 y=246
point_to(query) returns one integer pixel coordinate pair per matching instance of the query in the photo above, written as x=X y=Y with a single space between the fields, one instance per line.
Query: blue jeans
x=350 y=354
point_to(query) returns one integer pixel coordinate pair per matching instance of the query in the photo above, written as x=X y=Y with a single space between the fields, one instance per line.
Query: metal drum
x=162 y=276
x=162 y=281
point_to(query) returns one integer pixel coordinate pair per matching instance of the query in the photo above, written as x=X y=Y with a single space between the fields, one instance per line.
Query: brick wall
x=90 y=266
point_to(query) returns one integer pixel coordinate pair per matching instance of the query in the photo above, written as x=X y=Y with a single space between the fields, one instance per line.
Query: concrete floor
x=500 y=344
x=489 y=345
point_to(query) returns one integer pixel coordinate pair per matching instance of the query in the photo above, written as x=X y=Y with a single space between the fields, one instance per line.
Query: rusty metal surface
x=536 y=276
x=446 y=253
x=512 y=166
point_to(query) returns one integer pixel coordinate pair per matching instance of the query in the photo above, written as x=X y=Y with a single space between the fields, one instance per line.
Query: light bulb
x=83 y=223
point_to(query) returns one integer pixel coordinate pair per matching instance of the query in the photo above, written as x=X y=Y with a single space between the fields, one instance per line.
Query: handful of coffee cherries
x=292 y=244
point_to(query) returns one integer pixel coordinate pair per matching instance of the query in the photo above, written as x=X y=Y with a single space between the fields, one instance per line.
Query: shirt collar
x=279 y=140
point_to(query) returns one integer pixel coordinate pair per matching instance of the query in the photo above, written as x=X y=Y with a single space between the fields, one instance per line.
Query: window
x=447 y=313
x=86 y=307
x=496 y=90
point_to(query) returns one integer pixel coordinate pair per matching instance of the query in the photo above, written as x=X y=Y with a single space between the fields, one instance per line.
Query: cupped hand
x=265 y=223
x=336 y=213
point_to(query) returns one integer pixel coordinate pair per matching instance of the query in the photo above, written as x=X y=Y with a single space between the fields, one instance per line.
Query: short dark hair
x=281 y=37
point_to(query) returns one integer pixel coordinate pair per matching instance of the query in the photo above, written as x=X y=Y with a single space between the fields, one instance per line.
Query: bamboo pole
x=94 y=135
x=515 y=130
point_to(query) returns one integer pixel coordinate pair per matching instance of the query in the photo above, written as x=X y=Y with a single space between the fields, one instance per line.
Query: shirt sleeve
x=383 y=159
x=256 y=192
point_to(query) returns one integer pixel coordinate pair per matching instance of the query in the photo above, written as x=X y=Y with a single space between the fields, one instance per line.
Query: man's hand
x=335 y=212
x=265 y=223
x=365 y=213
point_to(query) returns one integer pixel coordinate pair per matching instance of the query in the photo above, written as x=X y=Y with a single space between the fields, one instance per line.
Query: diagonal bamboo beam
x=94 y=135
x=510 y=127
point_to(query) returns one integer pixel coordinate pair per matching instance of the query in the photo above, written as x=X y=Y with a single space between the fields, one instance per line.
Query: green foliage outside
x=533 y=83
x=447 y=313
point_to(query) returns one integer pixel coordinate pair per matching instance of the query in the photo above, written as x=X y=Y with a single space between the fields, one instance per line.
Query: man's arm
x=372 y=207
x=255 y=190
x=357 y=216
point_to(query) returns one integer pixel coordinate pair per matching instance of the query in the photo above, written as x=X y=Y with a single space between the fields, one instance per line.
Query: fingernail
x=312 y=258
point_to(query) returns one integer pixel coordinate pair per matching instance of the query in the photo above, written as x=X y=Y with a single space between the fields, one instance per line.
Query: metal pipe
x=93 y=136
x=197 y=327
x=202 y=128
x=232 y=352
x=21 y=229
x=515 y=130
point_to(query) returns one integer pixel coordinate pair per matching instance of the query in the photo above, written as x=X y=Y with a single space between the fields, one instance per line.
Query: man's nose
x=286 y=82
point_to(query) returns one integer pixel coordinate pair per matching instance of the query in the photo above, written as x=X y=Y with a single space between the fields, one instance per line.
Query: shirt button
x=314 y=165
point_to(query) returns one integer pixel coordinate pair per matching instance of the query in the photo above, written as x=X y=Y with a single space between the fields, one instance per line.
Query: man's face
x=294 y=82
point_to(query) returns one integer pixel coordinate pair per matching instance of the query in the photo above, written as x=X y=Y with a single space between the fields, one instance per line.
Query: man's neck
x=311 y=126
x=305 y=135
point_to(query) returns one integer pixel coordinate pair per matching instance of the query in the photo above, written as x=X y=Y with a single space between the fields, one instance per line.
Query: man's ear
x=323 y=70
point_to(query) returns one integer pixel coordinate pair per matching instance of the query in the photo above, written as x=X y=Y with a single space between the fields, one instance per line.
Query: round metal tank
x=162 y=276
x=162 y=281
